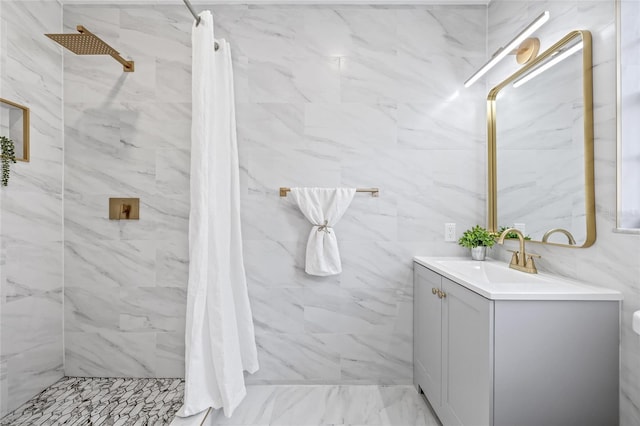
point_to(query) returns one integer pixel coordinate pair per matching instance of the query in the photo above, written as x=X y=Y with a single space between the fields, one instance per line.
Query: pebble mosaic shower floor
x=76 y=401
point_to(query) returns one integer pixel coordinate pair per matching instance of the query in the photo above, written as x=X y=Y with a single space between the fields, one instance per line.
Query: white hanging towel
x=323 y=207
x=220 y=340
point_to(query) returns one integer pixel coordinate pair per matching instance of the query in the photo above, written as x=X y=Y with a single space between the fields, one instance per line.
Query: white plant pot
x=479 y=253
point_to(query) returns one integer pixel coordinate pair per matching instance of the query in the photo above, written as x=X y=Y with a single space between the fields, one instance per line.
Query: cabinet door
x=467 y=321
x=561 y=354
x=427 y=338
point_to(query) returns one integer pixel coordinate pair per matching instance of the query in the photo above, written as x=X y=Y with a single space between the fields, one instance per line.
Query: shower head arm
x=128 y=66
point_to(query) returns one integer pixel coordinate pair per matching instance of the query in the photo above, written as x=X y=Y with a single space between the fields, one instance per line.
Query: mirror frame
x=587 y=87
x=25 y=129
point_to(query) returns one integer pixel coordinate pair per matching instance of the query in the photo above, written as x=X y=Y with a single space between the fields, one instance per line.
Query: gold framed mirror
x=540 y=147
x=14 y=124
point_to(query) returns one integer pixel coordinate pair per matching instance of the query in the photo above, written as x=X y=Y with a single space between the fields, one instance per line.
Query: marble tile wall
x=614 y=260
x=127 y=135
x=325 y=96
x=31 y=282
x=630 y=107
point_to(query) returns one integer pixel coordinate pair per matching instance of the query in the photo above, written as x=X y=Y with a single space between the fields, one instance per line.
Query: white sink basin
x=489 y=272
x=495 y=280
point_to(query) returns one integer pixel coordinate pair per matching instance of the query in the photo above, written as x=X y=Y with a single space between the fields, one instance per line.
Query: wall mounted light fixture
x=554 y=60
x=525 y=48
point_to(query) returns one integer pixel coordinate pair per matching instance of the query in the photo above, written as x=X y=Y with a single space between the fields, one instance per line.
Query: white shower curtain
x=220 y=340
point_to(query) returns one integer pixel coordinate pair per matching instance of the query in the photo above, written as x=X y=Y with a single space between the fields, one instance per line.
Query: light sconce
x=560 y=56
x=525 y=48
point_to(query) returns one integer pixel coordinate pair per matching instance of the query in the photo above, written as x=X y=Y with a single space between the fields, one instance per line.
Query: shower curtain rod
x=197 y=18
x=193 y=12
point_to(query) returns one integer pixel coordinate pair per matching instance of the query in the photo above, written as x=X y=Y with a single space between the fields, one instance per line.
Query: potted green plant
x=477 y=239
x=8 y=156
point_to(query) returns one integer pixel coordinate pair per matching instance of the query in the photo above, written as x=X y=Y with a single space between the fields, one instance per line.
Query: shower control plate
x=124 y=208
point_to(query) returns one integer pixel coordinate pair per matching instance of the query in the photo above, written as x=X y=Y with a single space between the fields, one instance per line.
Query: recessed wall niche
x=14 y=124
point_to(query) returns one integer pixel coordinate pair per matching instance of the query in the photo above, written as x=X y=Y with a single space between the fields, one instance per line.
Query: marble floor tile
x=403 y=406
x=327 y=405
x=255 y=409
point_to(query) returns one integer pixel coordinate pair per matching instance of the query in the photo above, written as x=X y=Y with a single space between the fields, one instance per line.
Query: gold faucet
x=520 y=259
x=546 y=235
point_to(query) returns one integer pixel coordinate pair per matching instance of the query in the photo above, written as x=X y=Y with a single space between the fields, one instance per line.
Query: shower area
x=328 y=96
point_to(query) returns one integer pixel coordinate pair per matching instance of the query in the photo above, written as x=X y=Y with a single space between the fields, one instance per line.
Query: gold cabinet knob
x=442 y=294
x=434 y=291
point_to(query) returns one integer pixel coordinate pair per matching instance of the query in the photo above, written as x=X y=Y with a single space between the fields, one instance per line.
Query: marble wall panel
x=431 y=122
x=614 y=260
x=629 y=107
x=110 y=354
x=31 y=220
x=382 y=357
x=371 y=111
x=172 y=262
x=169 y=354
x=298 y=358
x=33 y=369
x=127 y=135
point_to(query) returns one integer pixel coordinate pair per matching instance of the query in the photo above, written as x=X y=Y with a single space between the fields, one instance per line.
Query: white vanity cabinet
x=510 y=361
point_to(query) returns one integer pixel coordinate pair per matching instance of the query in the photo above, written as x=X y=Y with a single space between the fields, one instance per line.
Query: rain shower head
x=87 y=43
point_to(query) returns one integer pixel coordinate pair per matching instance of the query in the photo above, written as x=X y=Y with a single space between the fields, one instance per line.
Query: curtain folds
x=220 y=339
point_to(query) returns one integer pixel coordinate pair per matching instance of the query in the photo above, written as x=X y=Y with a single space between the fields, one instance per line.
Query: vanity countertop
x=494 y=280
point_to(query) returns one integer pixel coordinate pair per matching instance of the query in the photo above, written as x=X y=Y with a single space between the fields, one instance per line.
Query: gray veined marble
x=31 y=217
x=328 y=405
x=141 y=34
x=439 y=123
x=133 y=260
x=353 y=126
x=172 y=170
x=170 y=349
x=445 y=32
x=270 y=125
x=384 y=357
x=91 y=309
x=32 y=269
x=267 y=33
x=31 y=214
x=273 y=82
x=110 y=353
x=172 y=263
x=152 y=309
x=277 y=310
x=269 y=217
x=297 y=358
x=155 y=125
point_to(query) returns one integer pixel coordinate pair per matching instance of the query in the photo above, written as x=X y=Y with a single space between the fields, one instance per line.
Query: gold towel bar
x=374 y=191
